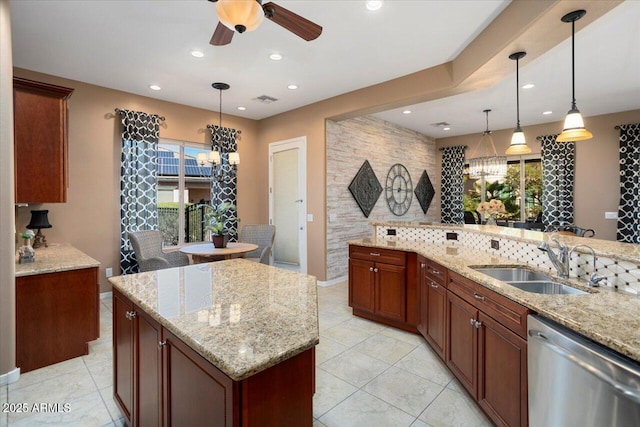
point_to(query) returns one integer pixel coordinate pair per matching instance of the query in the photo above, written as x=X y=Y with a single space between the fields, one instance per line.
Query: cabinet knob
x=478 y=296
x=472 y=321
x=423 y=265
x=375 y=270
x=162 y=343
x=370 y=268
x=478 y=324
x=130 y=315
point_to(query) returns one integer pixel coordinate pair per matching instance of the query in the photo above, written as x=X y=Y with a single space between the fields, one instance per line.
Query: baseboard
x=10 y=377
x=332 y=282
x=106 y=295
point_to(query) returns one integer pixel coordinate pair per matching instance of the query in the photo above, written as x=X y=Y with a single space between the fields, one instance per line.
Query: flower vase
x=26 y=253
x=490 y=220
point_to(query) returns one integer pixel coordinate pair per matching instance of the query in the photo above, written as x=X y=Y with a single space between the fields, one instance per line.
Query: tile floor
x=367 y=375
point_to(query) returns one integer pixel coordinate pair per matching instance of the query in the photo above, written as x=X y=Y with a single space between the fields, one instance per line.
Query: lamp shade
x=201 y=158
x=214 y=157
x=574 y=129
x=234 y=158
x=39 y=219
x=518 y=143
x=240 y=15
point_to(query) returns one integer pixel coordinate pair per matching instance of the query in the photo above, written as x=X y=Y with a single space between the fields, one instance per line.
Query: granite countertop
x=604 y=315
x=242 y=316
x=56 y=257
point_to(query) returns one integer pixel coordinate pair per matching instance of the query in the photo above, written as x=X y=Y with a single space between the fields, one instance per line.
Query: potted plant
x=214 y=220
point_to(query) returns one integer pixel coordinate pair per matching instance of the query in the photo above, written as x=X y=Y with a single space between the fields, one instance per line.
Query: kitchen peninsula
x=228 y=343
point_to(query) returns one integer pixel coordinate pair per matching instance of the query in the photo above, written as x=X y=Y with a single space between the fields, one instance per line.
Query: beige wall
x=7 y=220
x=90 y=220
x=597 y=176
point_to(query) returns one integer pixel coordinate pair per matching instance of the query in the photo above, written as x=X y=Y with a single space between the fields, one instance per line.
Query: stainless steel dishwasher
x=576 y=382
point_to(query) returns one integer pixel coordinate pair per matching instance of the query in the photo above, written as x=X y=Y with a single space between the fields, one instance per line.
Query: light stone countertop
x=57 y=257
x=242 y=316
x=604 y=315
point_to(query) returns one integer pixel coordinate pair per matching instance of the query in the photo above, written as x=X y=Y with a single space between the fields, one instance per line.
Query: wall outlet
x=611 y=215
x=452 y=236
x=309 y=217
x=108 y=272
x=495 y=244
x=391 y=231
x=333 y=217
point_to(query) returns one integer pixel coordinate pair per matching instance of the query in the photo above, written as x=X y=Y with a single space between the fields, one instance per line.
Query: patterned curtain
x=629 y=210
x=452 y=208
x=138 y=180
x=225 y=190
x=558 y=171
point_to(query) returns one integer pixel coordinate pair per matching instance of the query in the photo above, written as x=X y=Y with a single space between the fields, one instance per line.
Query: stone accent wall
x=349 y=144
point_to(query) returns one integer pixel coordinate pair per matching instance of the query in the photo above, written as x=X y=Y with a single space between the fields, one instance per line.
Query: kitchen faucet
x=561 y=260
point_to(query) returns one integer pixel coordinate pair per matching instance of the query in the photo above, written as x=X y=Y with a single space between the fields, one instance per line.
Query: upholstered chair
x=261 y=235
x=147 y=246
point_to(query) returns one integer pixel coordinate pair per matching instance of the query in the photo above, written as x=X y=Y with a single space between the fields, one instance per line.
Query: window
x=524 y=173
x=183 y=186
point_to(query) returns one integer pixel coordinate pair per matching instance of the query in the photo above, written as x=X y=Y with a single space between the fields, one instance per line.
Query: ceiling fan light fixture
x=240 y=15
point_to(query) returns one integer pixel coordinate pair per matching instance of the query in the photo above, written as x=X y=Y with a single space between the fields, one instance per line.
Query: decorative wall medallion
x=365 y=188
x=398 y=189
x=424 y=191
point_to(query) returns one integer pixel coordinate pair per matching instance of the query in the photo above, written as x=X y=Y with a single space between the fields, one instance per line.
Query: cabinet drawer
x=385 y=256
x=436 y=272
x=511 y=314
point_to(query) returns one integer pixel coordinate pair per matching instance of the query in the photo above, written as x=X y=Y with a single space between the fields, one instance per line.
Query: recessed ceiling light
x=292 y=87
x=446 y=128
x=374 y=4
x=407 y=112
x=275 y=56
x=241 y=108
x=154 y=87
x=546 y=113
x=528 y=86
x=197 y=54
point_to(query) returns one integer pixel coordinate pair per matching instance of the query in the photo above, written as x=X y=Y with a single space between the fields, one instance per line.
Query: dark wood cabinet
x=57 y=315
x=123 y=354
x=40 y=135
x=148 y=368
x=462 y=342
x=377 y=284
x=433 y=304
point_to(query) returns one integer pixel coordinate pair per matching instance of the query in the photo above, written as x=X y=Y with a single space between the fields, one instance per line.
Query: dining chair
x=261 y=235
x=147 y=246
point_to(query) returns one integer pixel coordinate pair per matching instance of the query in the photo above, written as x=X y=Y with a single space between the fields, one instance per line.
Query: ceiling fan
x=246 y=15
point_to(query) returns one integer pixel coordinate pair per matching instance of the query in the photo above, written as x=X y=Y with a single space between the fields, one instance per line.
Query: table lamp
x=38 y=221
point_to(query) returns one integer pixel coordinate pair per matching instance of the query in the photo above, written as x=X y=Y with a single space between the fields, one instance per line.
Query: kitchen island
x=228 y=343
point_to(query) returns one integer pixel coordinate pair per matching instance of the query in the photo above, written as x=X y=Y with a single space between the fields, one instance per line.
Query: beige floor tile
x=48 y=372
x=455 y=385
x=4 y=396
x=354 y=367
x=420 y=423
x=327 y=349
x=100 y=352
x=384 y=348
x=102 y=374
x=346 y=334
x=337 y=309
x=4 y=393
x=362 y=409
x=330 y=390
x=317 y=423
x=406 y=391
x=329 y=320
x=401 y=335
x=453 y=409
x=365 y=325
x=110 y=403
x=423 y=362
x=86 y=411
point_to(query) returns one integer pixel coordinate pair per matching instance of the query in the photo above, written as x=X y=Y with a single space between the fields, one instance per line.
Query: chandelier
x=484 y=161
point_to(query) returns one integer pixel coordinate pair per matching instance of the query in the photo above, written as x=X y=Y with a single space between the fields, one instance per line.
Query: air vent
x=265 y=99
x=437 y=125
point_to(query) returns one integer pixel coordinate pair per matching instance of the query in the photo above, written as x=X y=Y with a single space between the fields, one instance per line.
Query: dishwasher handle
x=616 y=385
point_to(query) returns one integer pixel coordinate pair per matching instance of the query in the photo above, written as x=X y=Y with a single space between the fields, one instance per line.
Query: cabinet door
x=148 y=371
x=361 y=284
x=123 y=354
x=436 y=305
x=462 y=342
x=390 y=291
x=502 y=373
x=195 y=392
x=423 y=292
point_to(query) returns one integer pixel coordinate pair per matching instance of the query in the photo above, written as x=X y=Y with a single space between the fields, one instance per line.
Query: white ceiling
x=128 y=45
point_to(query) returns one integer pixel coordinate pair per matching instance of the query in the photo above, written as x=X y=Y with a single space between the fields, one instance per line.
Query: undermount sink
x=529 y=280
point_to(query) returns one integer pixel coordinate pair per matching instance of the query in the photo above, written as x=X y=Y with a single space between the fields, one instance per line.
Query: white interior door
x=288 y=204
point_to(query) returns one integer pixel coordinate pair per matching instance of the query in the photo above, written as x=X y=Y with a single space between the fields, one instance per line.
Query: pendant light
x=518 y=142
x=574 y=129
x=488 y=164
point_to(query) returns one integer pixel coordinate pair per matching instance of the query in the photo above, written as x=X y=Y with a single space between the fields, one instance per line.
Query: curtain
x=629 y=210
x=558 y=171
x=452 y=187
x=138 y=180
x=225 y=189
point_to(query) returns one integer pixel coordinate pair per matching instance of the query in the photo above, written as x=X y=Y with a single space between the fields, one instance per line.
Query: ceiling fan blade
x=295 y=23
x=222 y=35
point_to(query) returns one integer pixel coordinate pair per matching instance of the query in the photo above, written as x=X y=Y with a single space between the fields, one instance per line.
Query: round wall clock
x=398 y=189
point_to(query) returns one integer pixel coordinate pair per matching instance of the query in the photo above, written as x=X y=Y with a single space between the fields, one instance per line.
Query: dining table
x=207 y=252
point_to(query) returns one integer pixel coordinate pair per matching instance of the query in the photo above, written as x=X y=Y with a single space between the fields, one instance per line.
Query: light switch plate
x=611 y=215
x=108 y=272
x=309 y=217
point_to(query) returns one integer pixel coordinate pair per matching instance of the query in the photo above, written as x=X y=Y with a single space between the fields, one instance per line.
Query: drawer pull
x=374 y=254
x=434 y=271
x=423 y=265
x=433 y=285
x=370 y=268
x=478 y=296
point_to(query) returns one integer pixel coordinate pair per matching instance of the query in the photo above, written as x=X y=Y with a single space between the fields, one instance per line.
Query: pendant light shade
x=240 y=15
x=574 y=129
x=484 y=161
x=518 y=142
